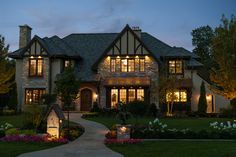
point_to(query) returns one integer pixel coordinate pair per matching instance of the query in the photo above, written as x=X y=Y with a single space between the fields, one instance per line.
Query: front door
x=86 y=100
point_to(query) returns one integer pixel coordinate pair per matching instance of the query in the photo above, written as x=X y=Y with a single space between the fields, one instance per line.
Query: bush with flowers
x=158 y=130
x=33 y=138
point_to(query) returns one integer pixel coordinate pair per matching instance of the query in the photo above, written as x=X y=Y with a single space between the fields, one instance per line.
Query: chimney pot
x=137 y=31
x=25 y=35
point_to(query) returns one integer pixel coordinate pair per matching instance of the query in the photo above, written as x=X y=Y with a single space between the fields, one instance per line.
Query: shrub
x=12 y=131
x=32 y=116
x=152 y=110
x=2 y=133
x=137 y=108
x=95 y=107
x=74 y=132
x=202 y=103
x=90 y=115
x=111 y=135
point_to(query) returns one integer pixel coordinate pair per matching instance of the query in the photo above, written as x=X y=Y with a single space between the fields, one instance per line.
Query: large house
x=113 y=67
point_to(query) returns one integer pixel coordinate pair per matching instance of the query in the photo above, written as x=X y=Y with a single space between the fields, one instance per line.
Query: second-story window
x=175 y=67
x=127 y=64
x=36 y=66
x=131 y=66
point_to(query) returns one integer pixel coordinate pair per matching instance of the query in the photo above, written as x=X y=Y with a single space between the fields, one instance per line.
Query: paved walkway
x=90 y=144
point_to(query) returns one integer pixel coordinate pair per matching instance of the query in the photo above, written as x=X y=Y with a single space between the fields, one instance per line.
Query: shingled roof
x=91 y=46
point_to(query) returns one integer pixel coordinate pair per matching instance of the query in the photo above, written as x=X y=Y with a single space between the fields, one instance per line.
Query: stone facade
x=151 y=71
x=34 y=82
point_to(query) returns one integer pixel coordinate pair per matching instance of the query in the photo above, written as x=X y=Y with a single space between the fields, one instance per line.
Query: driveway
x=90 y=144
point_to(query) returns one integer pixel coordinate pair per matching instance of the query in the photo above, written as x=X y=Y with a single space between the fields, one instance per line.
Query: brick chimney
x=25 y=35
x=137 y=31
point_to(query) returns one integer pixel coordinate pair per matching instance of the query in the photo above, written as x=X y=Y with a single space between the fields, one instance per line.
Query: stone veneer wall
x=151 y=71
x=34 y=82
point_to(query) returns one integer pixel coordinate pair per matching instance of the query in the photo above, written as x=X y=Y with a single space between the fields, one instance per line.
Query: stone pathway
x=90 y=144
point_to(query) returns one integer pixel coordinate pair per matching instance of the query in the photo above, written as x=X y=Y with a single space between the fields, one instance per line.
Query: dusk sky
x=168 y=20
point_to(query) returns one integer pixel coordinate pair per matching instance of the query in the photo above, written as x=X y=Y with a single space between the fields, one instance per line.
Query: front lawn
x=15 y=120
x=178 y=123
x=13 y=149
x=177 y=149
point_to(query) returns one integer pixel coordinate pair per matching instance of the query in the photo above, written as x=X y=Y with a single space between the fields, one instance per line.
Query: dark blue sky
x=169 y=20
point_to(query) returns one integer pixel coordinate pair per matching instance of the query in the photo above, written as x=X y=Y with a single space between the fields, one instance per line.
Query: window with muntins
x=177 y=96
x=127 y=64
x=36 y=67
x=33 y=96
x=175 y=67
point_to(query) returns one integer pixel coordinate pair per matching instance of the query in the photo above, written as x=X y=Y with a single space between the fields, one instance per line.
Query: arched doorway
x=86 y=100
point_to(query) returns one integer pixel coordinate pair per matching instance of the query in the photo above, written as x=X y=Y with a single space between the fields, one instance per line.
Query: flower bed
x=32 y=138
x=158 y=130
x=122 y=141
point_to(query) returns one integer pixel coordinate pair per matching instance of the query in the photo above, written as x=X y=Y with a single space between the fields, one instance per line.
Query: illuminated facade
x=113 y=67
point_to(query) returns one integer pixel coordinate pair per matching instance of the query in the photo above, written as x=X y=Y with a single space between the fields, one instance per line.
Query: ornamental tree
x=67 y=88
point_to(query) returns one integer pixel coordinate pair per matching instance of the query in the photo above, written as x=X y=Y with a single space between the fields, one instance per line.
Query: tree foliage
x=202 y=103
x=7 y=71
x=67 y=86
x=201 y=39
x=167 y=84
x=224 y=53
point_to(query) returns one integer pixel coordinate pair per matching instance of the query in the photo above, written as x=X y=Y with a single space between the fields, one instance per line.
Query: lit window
x=140 y=94
x=32 y=96
x=177 y=96
x=123 y=96
x=36 y=66
x=131 y=65
x=67 y=63
x=183 y=96
x=113 y=65
x=114 y=98
x=124 y=65
x=141 y=65
x=131 y=95
x=175 y=67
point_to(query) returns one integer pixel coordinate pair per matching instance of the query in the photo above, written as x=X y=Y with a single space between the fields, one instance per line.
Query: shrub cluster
x=73 y=132
x=157 y=130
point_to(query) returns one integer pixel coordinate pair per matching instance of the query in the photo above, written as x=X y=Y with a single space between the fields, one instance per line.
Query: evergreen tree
x=202 y=103
x=7 y=71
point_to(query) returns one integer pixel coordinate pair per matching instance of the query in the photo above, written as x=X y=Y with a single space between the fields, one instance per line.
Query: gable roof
x=57 y=110
x=127 y=28
x=91 y=47
x=54 y=46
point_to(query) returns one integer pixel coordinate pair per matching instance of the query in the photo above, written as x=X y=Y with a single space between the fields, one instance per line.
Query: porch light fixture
x=127 y=56
x=31 y=56
x=39 y=57
x=118 y=57
x=136 y=56
x=208 y=97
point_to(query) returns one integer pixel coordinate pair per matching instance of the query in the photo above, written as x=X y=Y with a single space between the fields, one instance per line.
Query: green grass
x=179 y=123
x=177 y=149
x=15 y=120
x=13 y=149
